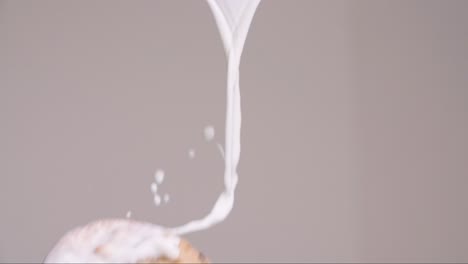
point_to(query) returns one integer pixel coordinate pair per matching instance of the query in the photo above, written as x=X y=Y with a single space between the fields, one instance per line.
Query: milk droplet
x=166 y=198
x=129 y=214
x=209 y=133
x=221 y=149
x=159 y=176
x=157 y=200
x=191 y=153
x=154 y=187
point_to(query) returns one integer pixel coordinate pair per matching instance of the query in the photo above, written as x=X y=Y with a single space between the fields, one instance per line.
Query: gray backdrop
x=354 y=140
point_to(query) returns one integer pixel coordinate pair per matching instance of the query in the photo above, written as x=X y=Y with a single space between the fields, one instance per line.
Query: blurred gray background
x=354 y=140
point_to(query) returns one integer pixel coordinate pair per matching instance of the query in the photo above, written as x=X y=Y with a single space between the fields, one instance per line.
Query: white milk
x=191 y=153
x=114 y=241
x=233 y=18
x=209 y=133
x=159 y=176
x=126 y=241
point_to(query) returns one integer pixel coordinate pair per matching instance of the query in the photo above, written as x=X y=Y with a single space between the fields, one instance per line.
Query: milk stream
x=233 y=18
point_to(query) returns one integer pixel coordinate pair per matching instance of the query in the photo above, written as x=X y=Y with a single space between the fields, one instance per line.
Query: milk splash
x=233 y=18
x=159 y=176
x=129 y=241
